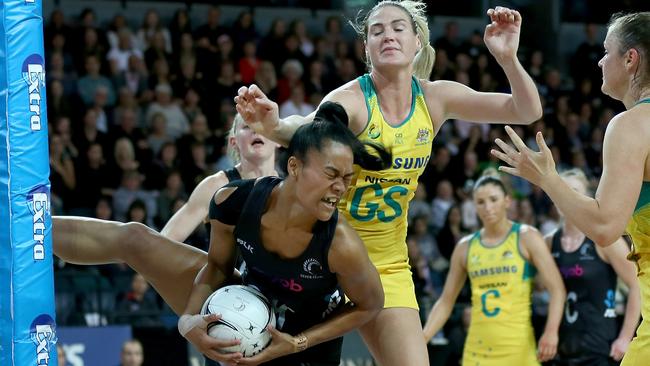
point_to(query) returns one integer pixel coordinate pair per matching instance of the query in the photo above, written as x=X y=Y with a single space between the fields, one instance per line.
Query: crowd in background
x=138 y=115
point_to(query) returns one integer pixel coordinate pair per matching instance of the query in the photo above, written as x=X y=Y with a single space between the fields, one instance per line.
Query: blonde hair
x=232 y=151
x=578 y=174
x=426 y=56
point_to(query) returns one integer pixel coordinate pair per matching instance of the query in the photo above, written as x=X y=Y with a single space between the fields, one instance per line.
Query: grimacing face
x=322 y=178
x=391 y=39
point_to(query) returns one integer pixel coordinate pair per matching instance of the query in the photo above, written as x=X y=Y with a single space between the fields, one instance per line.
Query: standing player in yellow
x=622 y=201
x=501 y=260
x=395 y=105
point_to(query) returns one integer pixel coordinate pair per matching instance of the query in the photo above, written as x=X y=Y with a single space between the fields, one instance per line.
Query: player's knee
x=133 y=237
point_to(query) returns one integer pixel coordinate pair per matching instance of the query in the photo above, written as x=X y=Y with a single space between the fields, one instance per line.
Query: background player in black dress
x=589 y=333
x=281 y=225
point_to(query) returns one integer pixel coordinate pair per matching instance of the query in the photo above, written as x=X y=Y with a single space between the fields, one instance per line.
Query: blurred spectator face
x=56 y=61
x=225 y=44
x=132 y=354
x=63 y=126
x=128 y=121
x=58 y=41
x=151 y=19
x=90 y=119
x=444 y=190
x=92 y=65
x=250 y=49
x=56 y=89
x=192 y=98
x=131 y=180
x=463 y=61
x=161 y=67
x=454 y=216
x=119 y=22
x=168 y=153
x=188 y=68
x=101 y=97
x=158 y=42
x=124 y=40
x=553 y=79
x=246 y=20
x=174 y=182
x=158 y=124
x=214 y=14
x=200 y=125
x=137 y=213
x=316 y=69
x=90 y=37
x=279 y=28
x=298 y=95
x=103 y=210
x=333 y=25
x=57 y=18
x=163 y=94
x=126 y=98
x=299 y=28
x=420 y=225
x=95 y=155
x=88 y=18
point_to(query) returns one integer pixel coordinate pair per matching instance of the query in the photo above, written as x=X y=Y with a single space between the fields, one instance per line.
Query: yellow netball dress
x=377 y=202
x=500 y=332
x=638 y=229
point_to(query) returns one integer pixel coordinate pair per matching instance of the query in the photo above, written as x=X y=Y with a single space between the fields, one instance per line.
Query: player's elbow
x=532 y=115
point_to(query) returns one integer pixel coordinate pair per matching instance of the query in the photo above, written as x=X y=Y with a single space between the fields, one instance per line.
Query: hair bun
x=332 y=112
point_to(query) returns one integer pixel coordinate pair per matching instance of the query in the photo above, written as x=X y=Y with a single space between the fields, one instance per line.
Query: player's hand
x=282 y=344
x=535 y=167
x=502 y=35
x=257 y=110
x=619 y=347
x=547 y=347
x=209 y=346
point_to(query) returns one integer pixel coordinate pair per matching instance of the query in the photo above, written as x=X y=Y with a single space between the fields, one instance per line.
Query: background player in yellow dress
x=500 y=261
x=622 y=201
x=396 y=105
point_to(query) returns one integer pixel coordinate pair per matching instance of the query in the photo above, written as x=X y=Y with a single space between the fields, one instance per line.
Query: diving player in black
x=298 y=251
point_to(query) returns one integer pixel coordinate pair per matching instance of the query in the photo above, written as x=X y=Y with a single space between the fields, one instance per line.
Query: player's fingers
x=516 y=140
x=505 y=147
x=509 y=170
x=504 y=157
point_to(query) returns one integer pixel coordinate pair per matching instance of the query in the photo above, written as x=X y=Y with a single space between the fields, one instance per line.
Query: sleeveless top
x=302 y=289
x=638 y=233
x=589 y=324
x=376 y=204
x=501 y=281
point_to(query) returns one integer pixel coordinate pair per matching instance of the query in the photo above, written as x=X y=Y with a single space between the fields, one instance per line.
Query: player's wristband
x=301 y=343
x=188 y=322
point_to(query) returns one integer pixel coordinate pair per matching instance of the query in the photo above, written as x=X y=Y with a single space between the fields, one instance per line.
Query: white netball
x=245 y=314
